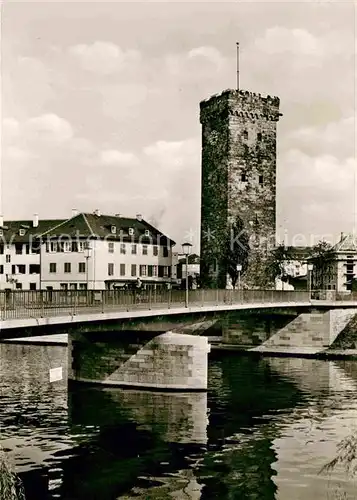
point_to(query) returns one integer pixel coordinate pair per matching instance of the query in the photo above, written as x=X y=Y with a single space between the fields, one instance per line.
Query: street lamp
x=310 y=267
x=186 y=250
x=87 y=255
x=239 y=270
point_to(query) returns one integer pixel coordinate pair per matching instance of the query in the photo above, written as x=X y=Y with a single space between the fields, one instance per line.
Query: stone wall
x=238 y=178
x=167 y=361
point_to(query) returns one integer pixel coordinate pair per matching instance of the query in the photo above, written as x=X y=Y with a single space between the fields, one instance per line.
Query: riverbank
x=296 y=352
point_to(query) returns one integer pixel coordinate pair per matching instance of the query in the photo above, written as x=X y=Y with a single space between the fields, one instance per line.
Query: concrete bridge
x=154 y=339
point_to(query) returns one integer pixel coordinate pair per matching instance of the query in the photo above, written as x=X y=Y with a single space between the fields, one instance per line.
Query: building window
x=18 y=286
x=143 y=270
x=155 y=251
x=110 y=269
x=145 y=249
x=261 y=179
x=67 y=267
x=133 y=269
x=131 y=231
x=147 y=232
x=21 y=268
x=154 y=271
x=245 y=134
x=64 y=286
x=34 y=269
x=165 y=252
x=8 y=259
x=27 y=249
x=111 y=246
x=1 y=269
x=122 y=248
x=259 y=136
x=18 y=248
x=122 y=269
x=81 y=267
x=33 y=286
x=150 y=271
x=83 y=286
x=133 y=249
x=166 y=271
x=53 y=267
x=73 y=286
x=113 y=229
x=1 y=249
x=243 y=178
x=22 y=232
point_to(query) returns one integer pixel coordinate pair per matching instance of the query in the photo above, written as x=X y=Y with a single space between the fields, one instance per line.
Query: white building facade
x=87 y=251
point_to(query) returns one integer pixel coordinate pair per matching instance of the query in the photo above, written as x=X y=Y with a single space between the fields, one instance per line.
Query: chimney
x=1 y=221
x=97 y=212
x=139 y=217
x=75 y=212
x=35 y=220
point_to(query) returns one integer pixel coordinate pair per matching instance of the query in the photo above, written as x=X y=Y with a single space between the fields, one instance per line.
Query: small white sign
x=56 y=374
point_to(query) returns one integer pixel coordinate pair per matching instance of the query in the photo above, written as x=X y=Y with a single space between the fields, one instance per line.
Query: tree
x=237 y=250
x=277 y=262
x=323 y=258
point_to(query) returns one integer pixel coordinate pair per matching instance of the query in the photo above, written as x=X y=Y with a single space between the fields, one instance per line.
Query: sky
x=100 y=107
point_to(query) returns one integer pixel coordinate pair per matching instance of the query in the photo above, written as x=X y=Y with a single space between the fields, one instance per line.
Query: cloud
x=104 y=58
x=334 y=138
x=279 y=40
x=26 y=85
x=173 y=154
x=196 y=63
x=115 y=157
x=316 y=194
x=49 y=127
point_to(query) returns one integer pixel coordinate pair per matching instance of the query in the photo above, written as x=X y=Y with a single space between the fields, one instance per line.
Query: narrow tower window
x=245 y=134
x=261 y=179
x=259 y=136
x=243 y=177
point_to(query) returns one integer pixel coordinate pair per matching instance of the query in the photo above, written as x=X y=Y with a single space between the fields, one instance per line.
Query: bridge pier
x=170 y=361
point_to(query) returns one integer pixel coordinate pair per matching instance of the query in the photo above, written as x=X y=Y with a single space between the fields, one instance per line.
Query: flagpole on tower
x=237 y=43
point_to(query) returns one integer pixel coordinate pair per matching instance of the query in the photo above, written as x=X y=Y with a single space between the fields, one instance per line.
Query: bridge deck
x=33 y=318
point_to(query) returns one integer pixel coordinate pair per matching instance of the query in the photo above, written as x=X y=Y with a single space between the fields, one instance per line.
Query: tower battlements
x=241 y=103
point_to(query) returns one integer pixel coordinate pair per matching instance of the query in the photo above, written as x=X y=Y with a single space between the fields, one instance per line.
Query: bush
x=11 y=487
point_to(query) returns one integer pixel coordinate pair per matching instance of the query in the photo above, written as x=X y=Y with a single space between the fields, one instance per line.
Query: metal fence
x=31 y=304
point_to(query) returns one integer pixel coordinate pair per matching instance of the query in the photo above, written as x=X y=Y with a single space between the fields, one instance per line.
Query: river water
x=265 y=430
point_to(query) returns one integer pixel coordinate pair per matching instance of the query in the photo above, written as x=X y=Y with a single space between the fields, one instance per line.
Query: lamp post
x=87 y=255
x=186 y=250
x=239 y=270
x=310 y=267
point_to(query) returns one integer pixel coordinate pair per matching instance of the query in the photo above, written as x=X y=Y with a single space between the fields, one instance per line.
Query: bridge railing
x=27 y=304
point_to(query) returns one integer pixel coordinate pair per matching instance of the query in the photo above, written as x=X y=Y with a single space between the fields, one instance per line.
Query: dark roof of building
x=299 y=252
x=91 y=225
x=347 y=243
x=11 y=230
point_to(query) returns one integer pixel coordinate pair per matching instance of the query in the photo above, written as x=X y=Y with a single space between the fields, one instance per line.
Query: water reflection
x=265 y=430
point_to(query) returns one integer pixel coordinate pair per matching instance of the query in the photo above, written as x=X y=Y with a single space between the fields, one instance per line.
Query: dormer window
x=113 y=229
x=22 y=232
x=131 y=231
x=147 y=232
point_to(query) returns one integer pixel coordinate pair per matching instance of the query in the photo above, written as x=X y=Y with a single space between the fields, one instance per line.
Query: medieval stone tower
x=238 y=178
